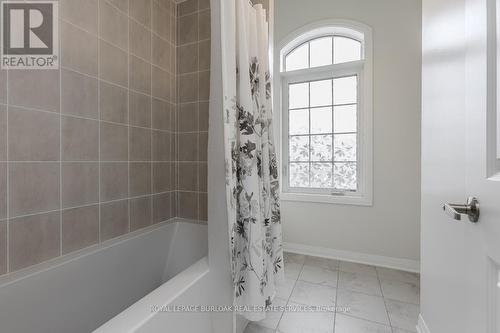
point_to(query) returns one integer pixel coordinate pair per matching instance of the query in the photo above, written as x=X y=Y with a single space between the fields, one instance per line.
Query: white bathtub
x=80 y=293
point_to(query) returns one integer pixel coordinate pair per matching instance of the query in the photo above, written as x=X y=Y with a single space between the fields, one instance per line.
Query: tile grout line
x=151 y=169
x=383 y=298
x=8 y=179
x=60 y=147
x=128 y=119
x=99 y=238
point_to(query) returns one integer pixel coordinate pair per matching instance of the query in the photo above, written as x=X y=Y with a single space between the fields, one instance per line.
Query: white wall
x=391 y=226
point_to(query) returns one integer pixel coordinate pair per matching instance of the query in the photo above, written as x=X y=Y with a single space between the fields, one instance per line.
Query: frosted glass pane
x=345 y=147
x=298 y=58
x=345 y=90
x=346 y=49
x=321 y=52
x=299 y=174
x=344 y=176
x=321 y=120
x=299 y=122
x=321 y=147
x=321 y=175
x=298 y=95
x=321 y=93
x=299 y=148
x=345 y=118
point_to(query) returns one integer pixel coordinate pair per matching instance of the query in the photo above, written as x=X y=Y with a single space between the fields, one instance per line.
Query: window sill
x=356 y=200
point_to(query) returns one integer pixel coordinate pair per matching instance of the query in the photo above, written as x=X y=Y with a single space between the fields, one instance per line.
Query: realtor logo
x=29 y=35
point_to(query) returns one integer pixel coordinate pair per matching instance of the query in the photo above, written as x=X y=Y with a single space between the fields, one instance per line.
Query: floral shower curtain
x=252 y=186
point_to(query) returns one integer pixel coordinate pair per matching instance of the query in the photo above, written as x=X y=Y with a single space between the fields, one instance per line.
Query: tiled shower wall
x=87 y=152
x=193 y=79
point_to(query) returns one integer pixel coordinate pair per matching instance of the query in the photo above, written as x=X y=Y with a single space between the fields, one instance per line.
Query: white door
x=460 y=158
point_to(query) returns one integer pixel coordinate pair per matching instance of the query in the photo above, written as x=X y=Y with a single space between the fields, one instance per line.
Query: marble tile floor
x=358 y=299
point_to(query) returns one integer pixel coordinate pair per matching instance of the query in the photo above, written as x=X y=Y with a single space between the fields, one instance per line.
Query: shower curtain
x=252 y=186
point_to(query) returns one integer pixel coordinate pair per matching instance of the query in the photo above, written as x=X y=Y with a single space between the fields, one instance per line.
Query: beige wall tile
x=162 y=177
x=188 y=58
x=140 y=144
x=141 y=212
x=140 y=40
x=188 y=29
x=114 y=180
x=80 y=183
x=3 y=86
x=188 y=146
x=114 y=142
x=3 y=190
x=202 y=177
x=140 y=10
x=203 y=113
x=33 y=239
x=33 y=135
x=140 y=179
x=140 y=75
x=139 y=109
x=38 y=89
x=204 y=55
x=188 y=88
x=113 y=101
x=113 y=25
x=162 y=207
x=203 y=4
x=187 y=7
x=204 y=86
x=114 y=219
x=203 y=146
x=161 y=84
x=3 y=247
x=82 y=13
x=34 y=187
x=188 y=176
x=188 y=205
x=188 y=117
x=79 y=139
x=161 y=146
x=160 y=21
x=161 y=115
x=78 y=94
x=78 y=49
x=204 y=25
x=203 y=206
x=80 y=228
x=3 y=133
x=113 y=64
x=161 y=50
x=120 y=4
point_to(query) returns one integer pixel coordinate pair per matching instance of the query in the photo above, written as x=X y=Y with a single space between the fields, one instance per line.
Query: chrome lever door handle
x=471 y=209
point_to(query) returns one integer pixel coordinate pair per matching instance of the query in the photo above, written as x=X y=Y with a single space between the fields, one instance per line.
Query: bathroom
x=249 y=166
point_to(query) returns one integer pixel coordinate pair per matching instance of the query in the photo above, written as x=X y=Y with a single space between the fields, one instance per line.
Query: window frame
x=363 y=70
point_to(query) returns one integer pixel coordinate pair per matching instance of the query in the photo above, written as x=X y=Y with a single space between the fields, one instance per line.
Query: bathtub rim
x=137 y=314
x=24 y=273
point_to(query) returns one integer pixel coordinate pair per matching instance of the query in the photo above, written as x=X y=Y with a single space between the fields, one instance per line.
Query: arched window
x=326 y=112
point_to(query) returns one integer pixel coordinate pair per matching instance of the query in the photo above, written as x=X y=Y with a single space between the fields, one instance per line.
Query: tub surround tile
x=162 y=177
x=82 y=13
x=122 y=5
x=161 y=53
x=140 y=178
x=78 y=94
x=37 y=89
x=3 y=132
x=140 y=75
x=34 y=187
x=113 y=102
x=113 y=64
x=160 y=21
x=162 y=116
x=188 y=117
x=114 y=142
x=202 y=206
x=162 y=207
x=204 y=25
x=3 y=190
x=140 y=40
x=33 y=135
x=140 y=10
x=202 y=177
x=114 y=219
x=80 y=184
x=188 y=147
x=80 y=228
x=161 y=84
x=79 y=139
x=78 y=49
x=204 y=55
x=188 y=29
x=162 y=149
x=140 y=144
x=188 y=205
x=114 y=181
x=33 y=239
x=113 y=25
x=3 y=86
x=140 y=109
x=186 y=180
x=3 y=247
x=141 y=212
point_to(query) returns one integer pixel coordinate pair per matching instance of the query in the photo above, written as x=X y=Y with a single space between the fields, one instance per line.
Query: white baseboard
x=421 y=326
x=358 y=257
